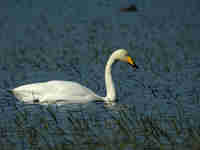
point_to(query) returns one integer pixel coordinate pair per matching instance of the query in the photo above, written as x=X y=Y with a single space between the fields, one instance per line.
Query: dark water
x=65 y=41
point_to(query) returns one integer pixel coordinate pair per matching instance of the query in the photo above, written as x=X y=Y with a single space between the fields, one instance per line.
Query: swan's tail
x=6 y=91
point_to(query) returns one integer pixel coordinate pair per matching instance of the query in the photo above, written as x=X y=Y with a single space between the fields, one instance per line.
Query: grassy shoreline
x=123 y=128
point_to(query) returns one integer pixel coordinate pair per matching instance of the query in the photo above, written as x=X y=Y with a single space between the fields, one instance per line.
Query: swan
x=68 y=91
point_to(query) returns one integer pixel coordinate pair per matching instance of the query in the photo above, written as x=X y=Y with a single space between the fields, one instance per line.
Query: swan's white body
x=55 y=90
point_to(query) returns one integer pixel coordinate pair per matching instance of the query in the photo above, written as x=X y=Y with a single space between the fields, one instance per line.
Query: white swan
x=55 y=90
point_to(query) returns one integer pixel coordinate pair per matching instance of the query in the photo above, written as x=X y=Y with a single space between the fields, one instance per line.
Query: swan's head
x=122 y=55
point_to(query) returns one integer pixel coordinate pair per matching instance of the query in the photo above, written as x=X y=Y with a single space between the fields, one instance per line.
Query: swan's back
x=53 y=91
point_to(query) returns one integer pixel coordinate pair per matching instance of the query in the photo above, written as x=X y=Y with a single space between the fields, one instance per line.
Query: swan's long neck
x=110 y=87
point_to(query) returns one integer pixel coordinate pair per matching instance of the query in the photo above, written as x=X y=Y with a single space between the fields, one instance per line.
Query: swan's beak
x=135 y=66
x=132 y=62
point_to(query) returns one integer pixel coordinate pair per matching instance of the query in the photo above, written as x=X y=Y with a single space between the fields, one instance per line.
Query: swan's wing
x=55 y=90
x=71 y=91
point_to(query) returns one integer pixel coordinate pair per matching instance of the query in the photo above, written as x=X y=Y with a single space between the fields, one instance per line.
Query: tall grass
x=122 y=128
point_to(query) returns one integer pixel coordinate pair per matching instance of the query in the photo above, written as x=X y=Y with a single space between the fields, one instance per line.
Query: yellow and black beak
x=132 y=62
